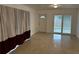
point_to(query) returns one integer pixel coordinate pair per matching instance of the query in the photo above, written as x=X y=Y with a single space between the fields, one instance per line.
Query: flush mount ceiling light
x=55 y=5
x=42 y=17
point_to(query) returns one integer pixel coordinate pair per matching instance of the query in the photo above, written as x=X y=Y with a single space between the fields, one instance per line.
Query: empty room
x=39 y=29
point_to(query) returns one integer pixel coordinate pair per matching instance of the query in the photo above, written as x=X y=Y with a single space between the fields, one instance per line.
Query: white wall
x=33 y=16
x=66 y=11
x=78 y=23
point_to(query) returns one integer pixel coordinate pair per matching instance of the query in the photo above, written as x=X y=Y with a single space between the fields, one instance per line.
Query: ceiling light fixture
x=55 y=5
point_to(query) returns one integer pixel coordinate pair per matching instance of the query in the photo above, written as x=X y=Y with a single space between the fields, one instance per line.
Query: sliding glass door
x=62 y=24
x=57 y=23
x=66 y=24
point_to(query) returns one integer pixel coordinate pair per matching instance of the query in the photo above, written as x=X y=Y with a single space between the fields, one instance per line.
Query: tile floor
x=45 y=43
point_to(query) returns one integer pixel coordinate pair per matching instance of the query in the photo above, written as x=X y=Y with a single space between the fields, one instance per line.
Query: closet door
x=43 y=23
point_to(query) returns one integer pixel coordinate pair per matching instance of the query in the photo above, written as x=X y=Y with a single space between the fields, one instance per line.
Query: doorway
x=62 y=24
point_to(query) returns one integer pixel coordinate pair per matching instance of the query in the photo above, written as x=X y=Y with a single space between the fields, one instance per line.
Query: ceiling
x=46 y=6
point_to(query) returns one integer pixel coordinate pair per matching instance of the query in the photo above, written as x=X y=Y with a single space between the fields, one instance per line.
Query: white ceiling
x=46 y=6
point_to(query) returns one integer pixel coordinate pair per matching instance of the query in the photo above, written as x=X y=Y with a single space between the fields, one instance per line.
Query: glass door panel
x=66 y=24
x=57 y=23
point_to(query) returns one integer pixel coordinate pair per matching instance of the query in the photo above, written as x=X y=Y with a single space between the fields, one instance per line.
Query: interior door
x=43 y=23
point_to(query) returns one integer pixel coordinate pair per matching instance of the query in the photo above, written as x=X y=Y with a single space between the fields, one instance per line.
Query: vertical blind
x=13 y=22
